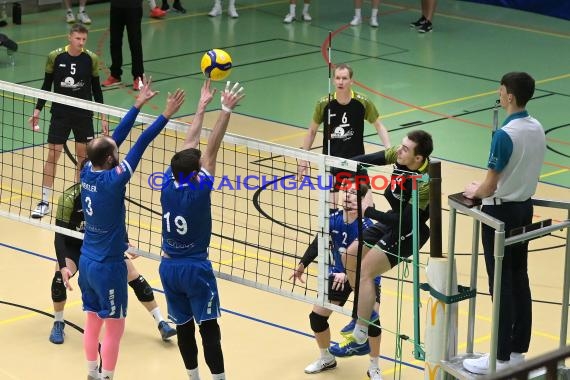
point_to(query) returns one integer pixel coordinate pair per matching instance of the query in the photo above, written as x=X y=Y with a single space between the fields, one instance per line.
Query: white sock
x=157 y=315
x=373 y=362
x=69 y=10
x=358 y=12
x=193 y=374
x=93 y=368
x=232 y=4
x=46 y=194
x=58 y=316
x=374 y=12
x=325 y=354
x=360 y=333
x=306 y=8
x=292 y=9
x=151 y=4
x=219 y=376
x=81 y=9
x=107 y=375
x=217 y=4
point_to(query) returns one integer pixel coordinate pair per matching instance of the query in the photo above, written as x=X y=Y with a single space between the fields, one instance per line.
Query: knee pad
x=210 y=332
x=58 y=291
x=373 y=329
x=142 y=289
x=318 y=322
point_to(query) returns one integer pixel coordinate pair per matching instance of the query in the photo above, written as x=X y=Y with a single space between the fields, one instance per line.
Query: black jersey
x=345 y=128
x=72 y=76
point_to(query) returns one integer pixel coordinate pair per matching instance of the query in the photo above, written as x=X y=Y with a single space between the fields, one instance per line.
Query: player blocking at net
x=102 y=268
x=185 y=271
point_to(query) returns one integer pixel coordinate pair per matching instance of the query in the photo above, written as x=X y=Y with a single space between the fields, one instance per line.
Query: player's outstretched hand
x=207 y=94
x=174 y=102
x=302 y=169
x=231 y=97
x=146 y=93
x=298 y=274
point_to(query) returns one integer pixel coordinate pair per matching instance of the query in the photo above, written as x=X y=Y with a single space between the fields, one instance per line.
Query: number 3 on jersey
x=179 y=222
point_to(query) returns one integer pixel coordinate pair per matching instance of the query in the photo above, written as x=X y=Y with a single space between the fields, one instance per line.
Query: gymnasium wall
x=555 y=8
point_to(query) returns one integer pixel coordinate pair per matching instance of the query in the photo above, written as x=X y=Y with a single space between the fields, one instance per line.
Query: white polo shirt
x=517 y=153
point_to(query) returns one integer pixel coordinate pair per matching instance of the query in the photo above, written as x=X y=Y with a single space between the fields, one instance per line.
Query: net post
x=356 y=286
x=435 y=234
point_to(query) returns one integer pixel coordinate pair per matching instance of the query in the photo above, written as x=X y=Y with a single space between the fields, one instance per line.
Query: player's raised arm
x=230 y=98
x=193 y=134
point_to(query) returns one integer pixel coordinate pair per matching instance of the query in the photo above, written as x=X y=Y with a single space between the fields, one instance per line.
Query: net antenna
x=328 y=126
x=496 y=116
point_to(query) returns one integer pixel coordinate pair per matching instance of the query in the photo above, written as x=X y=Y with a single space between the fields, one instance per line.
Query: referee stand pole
x=436 y=273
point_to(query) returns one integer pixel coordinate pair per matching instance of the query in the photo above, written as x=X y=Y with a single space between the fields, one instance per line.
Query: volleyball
x=216 y=64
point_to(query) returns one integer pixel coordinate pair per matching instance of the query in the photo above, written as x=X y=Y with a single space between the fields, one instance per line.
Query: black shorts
x=389 y=241
x=61 y=127
x=341 y=296
x=72 y=250
x=338 y=175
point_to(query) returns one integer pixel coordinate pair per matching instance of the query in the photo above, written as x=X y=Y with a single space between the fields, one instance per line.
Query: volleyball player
x=68 y=249
x=343 y=227
x=102 y=268
x=73 y=71
x=345 y=127
x=186 y=273
x=391 y=237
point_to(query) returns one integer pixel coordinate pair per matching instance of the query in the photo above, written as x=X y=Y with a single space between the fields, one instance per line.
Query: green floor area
x=444 y=82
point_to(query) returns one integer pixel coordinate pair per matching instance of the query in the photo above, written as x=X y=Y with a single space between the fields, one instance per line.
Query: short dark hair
x=344 y=66
x=520 y=84
x=98 y=150
x=424 y=143
x=185 y=162
x=78 y=28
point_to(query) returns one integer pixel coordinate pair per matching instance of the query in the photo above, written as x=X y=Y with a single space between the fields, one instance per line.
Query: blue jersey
x=342 y=235
x=103 y=193
x=186 y=216
x=102 y=197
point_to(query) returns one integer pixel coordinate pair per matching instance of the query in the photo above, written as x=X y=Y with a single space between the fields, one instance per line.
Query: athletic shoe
x=426 y=27
x=165 y=6
x=349 y=348
x=357 y=20
x=178 y=7
x=416 y=24
x=307 y=17
x=374 y=22
x=111 y=81
x=156 y=12
x=216 y=10
x=69 y=18
x=89 y=377
x=41 y=210
x=480 y=365
x=517 y=358
x=137 y=84
x=375 y=374
x=166 y=332
x=289 y=18
x=83 y=18
x=348 y=329
x=232 y=12
x=321 y=365
x=57 y=334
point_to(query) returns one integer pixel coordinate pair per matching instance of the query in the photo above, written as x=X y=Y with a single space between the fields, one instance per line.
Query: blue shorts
x=190 y=289
x=103 y=287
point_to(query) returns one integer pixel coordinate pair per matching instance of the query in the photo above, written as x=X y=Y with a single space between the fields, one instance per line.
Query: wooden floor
x=443 y=82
